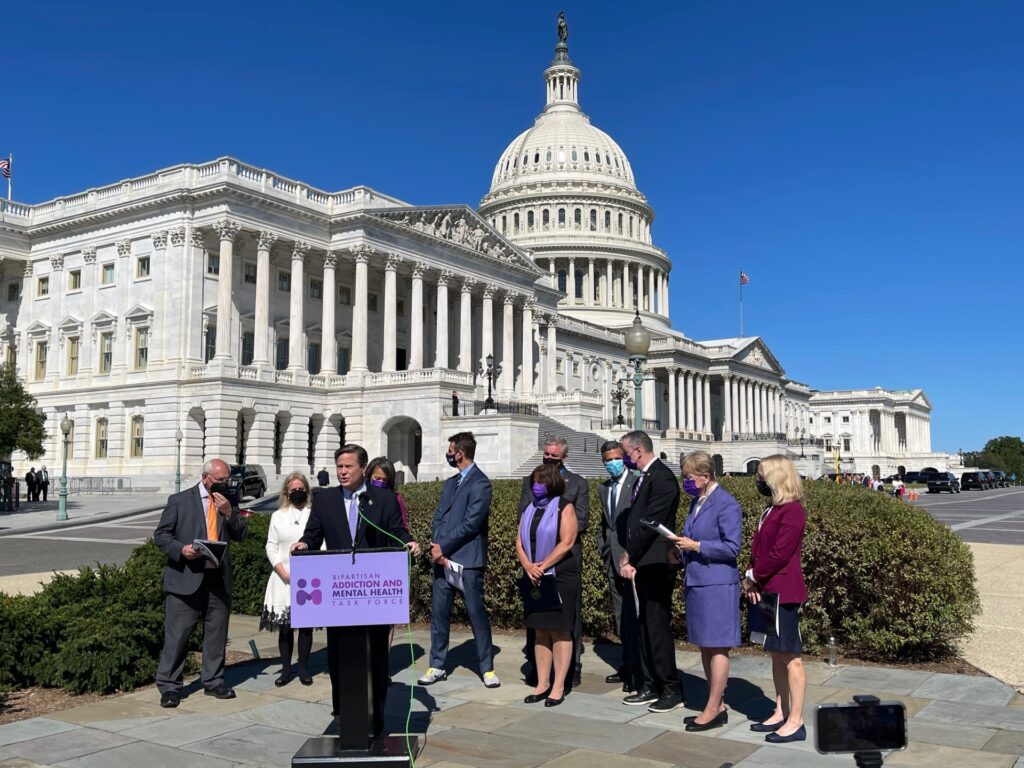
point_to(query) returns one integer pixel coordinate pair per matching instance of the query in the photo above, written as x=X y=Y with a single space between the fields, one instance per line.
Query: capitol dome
x=564 y=190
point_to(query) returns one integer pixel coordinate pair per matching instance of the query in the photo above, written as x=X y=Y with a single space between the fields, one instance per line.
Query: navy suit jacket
x=328 y=520
x=613 y=533
x=460 y=520
x=658 y=501
x=182 y=522
x=719 y=529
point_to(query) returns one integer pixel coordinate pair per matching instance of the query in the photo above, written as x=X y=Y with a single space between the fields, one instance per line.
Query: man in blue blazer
x=196 y=587
x=460 y=536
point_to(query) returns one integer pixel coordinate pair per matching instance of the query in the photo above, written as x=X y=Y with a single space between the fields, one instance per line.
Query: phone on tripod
x=852 y=728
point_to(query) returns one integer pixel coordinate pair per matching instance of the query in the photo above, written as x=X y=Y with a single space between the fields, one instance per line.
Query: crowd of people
x=646 y=554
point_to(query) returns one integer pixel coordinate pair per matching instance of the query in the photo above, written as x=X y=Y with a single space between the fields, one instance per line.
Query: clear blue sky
x=862 y=162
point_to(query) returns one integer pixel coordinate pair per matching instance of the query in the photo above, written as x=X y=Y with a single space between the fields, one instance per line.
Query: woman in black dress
x=547 y=533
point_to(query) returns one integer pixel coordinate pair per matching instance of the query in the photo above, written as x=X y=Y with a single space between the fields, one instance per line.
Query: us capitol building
x=223 y=310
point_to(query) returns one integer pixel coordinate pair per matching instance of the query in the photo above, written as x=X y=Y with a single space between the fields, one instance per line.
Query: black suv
x=977 y=480
x=246 y=480
x=943 y=481
x=1001 y=479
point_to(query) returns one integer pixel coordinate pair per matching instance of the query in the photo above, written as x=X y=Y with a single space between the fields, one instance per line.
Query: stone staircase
x=584 y=449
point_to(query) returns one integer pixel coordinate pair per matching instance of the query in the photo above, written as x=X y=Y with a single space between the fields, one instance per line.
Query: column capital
x=198 y=241
x=510 y=297
x=489 y=290
x=57 y=262
x=728 y=377
x=672 y=369
x=265 y=240
x=159 y=239
x=299 y=250
x=88 y=253
x=124 y=248
x=468 y=283
x=227 y=229
x=392 y=260
x=444 y=276
x=529 y=305
x=361 y=253
x=419 y=269
x=330 y=259
x=178 y=236
x=551 y=320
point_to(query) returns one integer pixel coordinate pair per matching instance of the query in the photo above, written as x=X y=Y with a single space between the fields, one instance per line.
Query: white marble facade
x=269 y=320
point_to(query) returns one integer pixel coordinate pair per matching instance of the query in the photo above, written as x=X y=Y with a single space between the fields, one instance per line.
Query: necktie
x=458 y=480
x=613 y=498
x=353 y=516
x=211 y=521
x=636 y=486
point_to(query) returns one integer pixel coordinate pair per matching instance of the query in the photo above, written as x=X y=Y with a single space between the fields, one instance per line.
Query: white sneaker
x=491 y=680
x=432 y=676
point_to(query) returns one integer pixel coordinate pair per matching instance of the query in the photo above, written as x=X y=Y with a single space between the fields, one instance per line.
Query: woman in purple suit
x=708 y=549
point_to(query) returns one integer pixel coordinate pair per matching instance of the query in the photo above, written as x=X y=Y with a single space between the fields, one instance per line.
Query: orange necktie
x=211 y=521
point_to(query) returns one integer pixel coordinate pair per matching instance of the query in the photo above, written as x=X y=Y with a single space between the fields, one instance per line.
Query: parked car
x=246 y=480
x=925 y=476
x=993 y=482
x=943 y=481
x=975 y=480
x=1002 y=481
x=268 y=505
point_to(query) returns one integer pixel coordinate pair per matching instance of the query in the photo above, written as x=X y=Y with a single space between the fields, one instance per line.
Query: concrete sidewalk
x=998 y=639
x=82 y=509
x=954 y=720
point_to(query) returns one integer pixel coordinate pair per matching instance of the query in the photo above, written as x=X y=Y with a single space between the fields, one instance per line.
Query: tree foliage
x=22 y=426
x=1005 y=453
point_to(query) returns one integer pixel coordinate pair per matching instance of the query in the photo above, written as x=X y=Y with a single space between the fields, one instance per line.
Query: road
x=989 y=517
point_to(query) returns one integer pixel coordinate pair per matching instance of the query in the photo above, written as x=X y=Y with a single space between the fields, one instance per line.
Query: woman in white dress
x=286 y=527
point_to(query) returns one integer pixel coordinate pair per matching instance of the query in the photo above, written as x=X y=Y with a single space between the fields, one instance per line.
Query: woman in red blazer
x=775 y=569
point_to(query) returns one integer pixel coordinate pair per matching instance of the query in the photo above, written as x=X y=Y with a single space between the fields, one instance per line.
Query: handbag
x=542 y=597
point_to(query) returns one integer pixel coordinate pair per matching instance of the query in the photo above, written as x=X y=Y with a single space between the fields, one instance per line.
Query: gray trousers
x=212 y=604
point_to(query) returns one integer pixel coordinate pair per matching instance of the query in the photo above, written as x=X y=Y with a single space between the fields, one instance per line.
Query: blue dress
x=712 y=583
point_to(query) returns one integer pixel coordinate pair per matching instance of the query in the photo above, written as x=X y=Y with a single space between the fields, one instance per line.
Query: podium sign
x=341 y=590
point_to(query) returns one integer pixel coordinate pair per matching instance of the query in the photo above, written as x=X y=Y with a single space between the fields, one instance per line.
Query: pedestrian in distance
x=30 y=484
x=43 y=481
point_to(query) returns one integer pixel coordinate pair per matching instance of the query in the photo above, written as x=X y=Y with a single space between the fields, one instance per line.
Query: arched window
x=630 y=226
x=597 y=156
x=561 y=217
x=549 y=155
x=607 y=221
x=562 y=279
x=529 y=220
x=593 y=219
x=579 y=283
x=607 y=160
x=504 y=224
x=506 y=166
x=515 y=163
x=574 y=155
x=586 y=156
x=536 y=156
x=561 y=154
x=515 y=222
x=620 y=223
x=526 y=159
x=546 y=217
x=577 y=218
x=616 y=162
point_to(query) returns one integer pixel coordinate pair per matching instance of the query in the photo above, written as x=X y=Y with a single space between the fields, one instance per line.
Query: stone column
x=665 y=283
x=416 y=318
x=552 y=322
x=608 y=283
x=650 y=290
x=627 y=289
x=708 y=426
x=744 y=406
x=360 y=317
x=570 y=282
x=672 y=420
x=691 y=423
x=590 y=283
x=466 y=325
x=226 y=230
x=699 y=403
x=389 y=362
x=261 y=318
x=758 y=412
x=441 y=330
x=487 y=325
x=726 y=406
x=296 y=309
x=328 y=344
x=508 y=372
x=526 y=382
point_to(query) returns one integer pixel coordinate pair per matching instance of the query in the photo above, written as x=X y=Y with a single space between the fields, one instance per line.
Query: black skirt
x=788 y=640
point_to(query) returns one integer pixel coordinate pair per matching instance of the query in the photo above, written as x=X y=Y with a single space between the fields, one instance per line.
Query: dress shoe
x=640 y=698
x=666 y=704
x=614 y=679
x=305 y=679
x=716 y=722
x=577 y=678
x=533 y=698
x=766 y=727
x=800 y=734
x=221 y=692
x=628 y=688
x=170 y=699
x=550 y=702
x=284 y=679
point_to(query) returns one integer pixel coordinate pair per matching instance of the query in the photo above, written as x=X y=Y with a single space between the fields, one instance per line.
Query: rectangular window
x=142 y=267
x=343 y=355
x=138 y=428
x=828 y=419
x=11 y=358
x=72 y=345
x=846 y=419
x=281 y=353
x=106 y=351
x=313 y=358
x=575 y=369
x=141 y=348
x=107 y=274
x=249 y=273
x=316 y=288
x=211 y=342
x=14 y=290
x=284 y=281
x=43 y=287
x=212 y=264
x=41 y=349
x=559 y=365
x=344 y=295
x=75 y=280
x=371 y=302
x=828 y=445
x=101 y=438
x=248 y=346
x=846 y=444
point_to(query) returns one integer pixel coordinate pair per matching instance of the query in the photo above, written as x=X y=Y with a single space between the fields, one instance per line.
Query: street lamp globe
x=65 y=425
x=638 y=338
x=178 y=435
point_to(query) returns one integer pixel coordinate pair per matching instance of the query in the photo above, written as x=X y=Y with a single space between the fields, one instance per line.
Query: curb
x=78 y=522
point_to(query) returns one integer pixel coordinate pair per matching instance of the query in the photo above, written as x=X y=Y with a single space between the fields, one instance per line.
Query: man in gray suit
x=577 y=492
x=460 y=536
x=616 y=493
x=195 y=586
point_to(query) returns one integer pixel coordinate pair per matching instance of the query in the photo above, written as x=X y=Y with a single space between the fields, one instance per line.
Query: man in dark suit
x=196 y=587
x=43 y=481
x=460 y=536
x=30 y=484
x=577 y=492
x=611 y=542
x=655 y=497
x=356 y=516
x=322 y=478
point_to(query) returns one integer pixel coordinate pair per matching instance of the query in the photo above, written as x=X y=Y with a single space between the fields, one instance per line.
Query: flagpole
x=741 y=304
x=10 y=175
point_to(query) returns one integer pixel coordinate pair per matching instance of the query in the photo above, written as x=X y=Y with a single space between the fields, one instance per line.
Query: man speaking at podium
x=356 y=516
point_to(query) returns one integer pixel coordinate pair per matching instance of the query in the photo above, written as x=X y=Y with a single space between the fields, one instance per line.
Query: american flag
x=5 y=167
x=744 y=278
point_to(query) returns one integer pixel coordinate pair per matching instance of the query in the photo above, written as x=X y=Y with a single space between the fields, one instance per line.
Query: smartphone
x=848 y=728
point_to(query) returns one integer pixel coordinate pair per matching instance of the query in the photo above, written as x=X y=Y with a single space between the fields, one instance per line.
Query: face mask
x=550 y=460
x=627 y=459
x=220 y=488
x=614 y=467
x=450 y=457
x=762 y=488
x=690 y=486
x=540 y=491
x=298 y=497
x=379 y=483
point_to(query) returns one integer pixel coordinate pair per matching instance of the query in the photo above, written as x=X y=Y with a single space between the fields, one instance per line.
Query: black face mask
x=298 y=497
x=450 y=458
x=763 y=489
x=221 y=488
x=551 y=460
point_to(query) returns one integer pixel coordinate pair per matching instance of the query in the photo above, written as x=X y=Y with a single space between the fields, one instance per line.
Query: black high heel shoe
x=534 y=698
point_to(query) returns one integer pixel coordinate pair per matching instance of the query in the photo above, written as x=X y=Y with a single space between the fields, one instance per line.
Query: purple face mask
x=690 y=486
x=379 y=483
x=540 y=491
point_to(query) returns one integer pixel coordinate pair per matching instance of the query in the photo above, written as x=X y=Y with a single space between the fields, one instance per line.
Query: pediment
x=69 y=324
x=103 y=318
x=138 y=312
x=462 y=226
x=757 y=355
x=38 y=328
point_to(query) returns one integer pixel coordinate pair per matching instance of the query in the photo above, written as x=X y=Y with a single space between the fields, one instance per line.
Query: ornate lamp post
x=638 y=341
x=491 y=373
x=62 y=499
x=618 y=395
x=178 y=436
x=803 y=431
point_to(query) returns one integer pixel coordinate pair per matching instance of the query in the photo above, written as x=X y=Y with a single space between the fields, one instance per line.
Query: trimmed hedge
x=885 y=579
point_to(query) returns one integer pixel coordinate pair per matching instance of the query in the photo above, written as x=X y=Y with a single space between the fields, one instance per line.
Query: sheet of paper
x=453 y=574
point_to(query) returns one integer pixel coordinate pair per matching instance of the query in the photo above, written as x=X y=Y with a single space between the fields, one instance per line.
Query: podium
x=356 y=595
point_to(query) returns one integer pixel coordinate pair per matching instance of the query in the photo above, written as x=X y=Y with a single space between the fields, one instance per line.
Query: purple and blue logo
x=315 y=596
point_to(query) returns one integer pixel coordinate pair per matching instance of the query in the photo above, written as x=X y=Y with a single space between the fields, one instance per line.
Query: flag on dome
x=744 y=278
x=5 y=167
